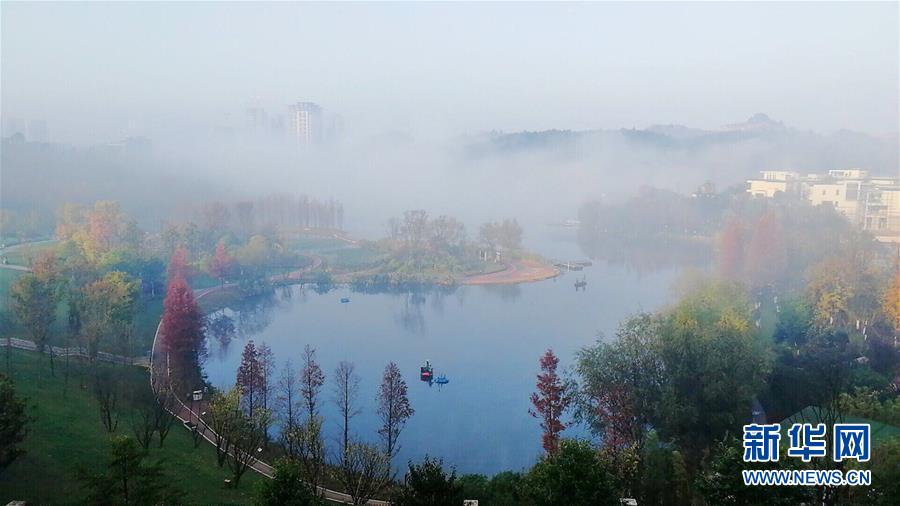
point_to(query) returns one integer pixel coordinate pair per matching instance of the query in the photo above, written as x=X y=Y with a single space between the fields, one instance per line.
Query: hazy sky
x=98 y=71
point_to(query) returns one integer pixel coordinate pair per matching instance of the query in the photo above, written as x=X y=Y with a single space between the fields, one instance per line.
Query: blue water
x=486 y=340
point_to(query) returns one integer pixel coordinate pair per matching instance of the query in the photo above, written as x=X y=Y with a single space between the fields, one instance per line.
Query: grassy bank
x=67 y=434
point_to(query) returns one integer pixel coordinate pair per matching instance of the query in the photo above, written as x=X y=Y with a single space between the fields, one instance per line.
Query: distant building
x=14 y=126
x=37 y=131
x=305 y=123
x=773 y=182
x=707 y=189
x=870 y=202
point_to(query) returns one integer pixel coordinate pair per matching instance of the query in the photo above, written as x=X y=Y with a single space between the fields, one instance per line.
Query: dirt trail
x=519 y=271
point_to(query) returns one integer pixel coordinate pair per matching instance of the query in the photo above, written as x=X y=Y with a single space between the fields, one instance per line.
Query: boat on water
x=441 y=380
x=581 y=284
x=345 y=300
x=426 y=372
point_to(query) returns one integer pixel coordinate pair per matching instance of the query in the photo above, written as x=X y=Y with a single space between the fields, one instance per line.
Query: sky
x=100 y=71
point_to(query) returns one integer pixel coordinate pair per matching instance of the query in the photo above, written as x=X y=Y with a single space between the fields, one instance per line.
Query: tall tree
x=178 y=264
x=288 y=401
x=35 y=298
x=128 y=480
x=428 y=484
x=287 y=488
x=222 y=416
x=308 y=445
x=346 y=389
x=573 y=474
x=393 y=407
x=708 y=334
x=364 y=471
x=731 y=250
x=248 y=433
x=182 y=330
x=311 y=380
x=891 y=303
x=249 y=378
x=267 y=373
x=621 y=383
x=551 y=400
x=108 y=310
x=767 y=253
x=222 y=263
x=13 y=423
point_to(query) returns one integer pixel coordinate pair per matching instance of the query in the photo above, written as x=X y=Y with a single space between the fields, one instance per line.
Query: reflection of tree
x=254 y=314
x=437 y=302
x=507 y=293
x=653 y=230
x=411 y=316
x=221 y=328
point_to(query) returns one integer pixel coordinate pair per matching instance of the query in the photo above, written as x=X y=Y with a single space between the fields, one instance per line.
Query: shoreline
x=519 y=271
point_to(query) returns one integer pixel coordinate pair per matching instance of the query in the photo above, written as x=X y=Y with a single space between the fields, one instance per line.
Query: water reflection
x=254 y=313
x=221 y=328
x=411 y=316
x=506 y=293
x=487 y=340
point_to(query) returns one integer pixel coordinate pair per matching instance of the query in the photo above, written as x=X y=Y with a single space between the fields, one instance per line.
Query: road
x=186 y=414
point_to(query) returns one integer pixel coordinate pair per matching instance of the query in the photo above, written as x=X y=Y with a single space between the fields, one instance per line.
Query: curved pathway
x=187 y=415
x=518 y=271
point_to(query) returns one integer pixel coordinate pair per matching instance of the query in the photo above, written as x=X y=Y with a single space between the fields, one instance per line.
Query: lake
x=485 y=339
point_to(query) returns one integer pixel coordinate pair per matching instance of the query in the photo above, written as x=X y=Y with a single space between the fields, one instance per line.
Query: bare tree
x=393 y=407
x=266 y=373
x=165 y=417
x=106 y=391
x=414 y=227
x=364 y=471
x=142 y=418
x=288 y=399
x=346 y=389
x=311 y=378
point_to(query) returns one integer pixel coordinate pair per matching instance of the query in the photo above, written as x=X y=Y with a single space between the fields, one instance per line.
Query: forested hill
x=740 y=148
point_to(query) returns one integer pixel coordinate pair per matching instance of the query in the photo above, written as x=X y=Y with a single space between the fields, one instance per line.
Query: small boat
x=345 y=300
x=426 y=372
x=441 y=380
x=581 y=284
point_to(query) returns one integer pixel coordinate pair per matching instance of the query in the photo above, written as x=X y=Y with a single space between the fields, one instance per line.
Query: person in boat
x=426 y=372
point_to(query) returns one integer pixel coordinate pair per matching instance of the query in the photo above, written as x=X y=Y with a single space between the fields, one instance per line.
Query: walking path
x=59 y=351
x=519 y=271
x=188 y=415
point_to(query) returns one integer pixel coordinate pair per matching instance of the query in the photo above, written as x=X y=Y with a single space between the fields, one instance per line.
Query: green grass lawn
x=23 y=255
x=7 y=278
x=67 y=434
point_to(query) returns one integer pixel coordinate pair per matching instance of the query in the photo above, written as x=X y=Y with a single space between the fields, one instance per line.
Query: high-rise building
x=37 y=131
x=306 y=123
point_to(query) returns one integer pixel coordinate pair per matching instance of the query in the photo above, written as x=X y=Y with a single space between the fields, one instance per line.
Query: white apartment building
x=873 y=203
x=305 y=119
x=772 y=182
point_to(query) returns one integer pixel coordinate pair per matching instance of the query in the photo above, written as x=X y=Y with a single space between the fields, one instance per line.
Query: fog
x=426 y=106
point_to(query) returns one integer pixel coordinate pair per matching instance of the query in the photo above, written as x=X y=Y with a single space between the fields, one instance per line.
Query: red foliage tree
x=393 y=407
x=250 y=378
x=550 y=401
x=222 y=262
x=616 y=411
x=178 y=264
x=731 y=250
x=182 y=332
x=766 y=257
